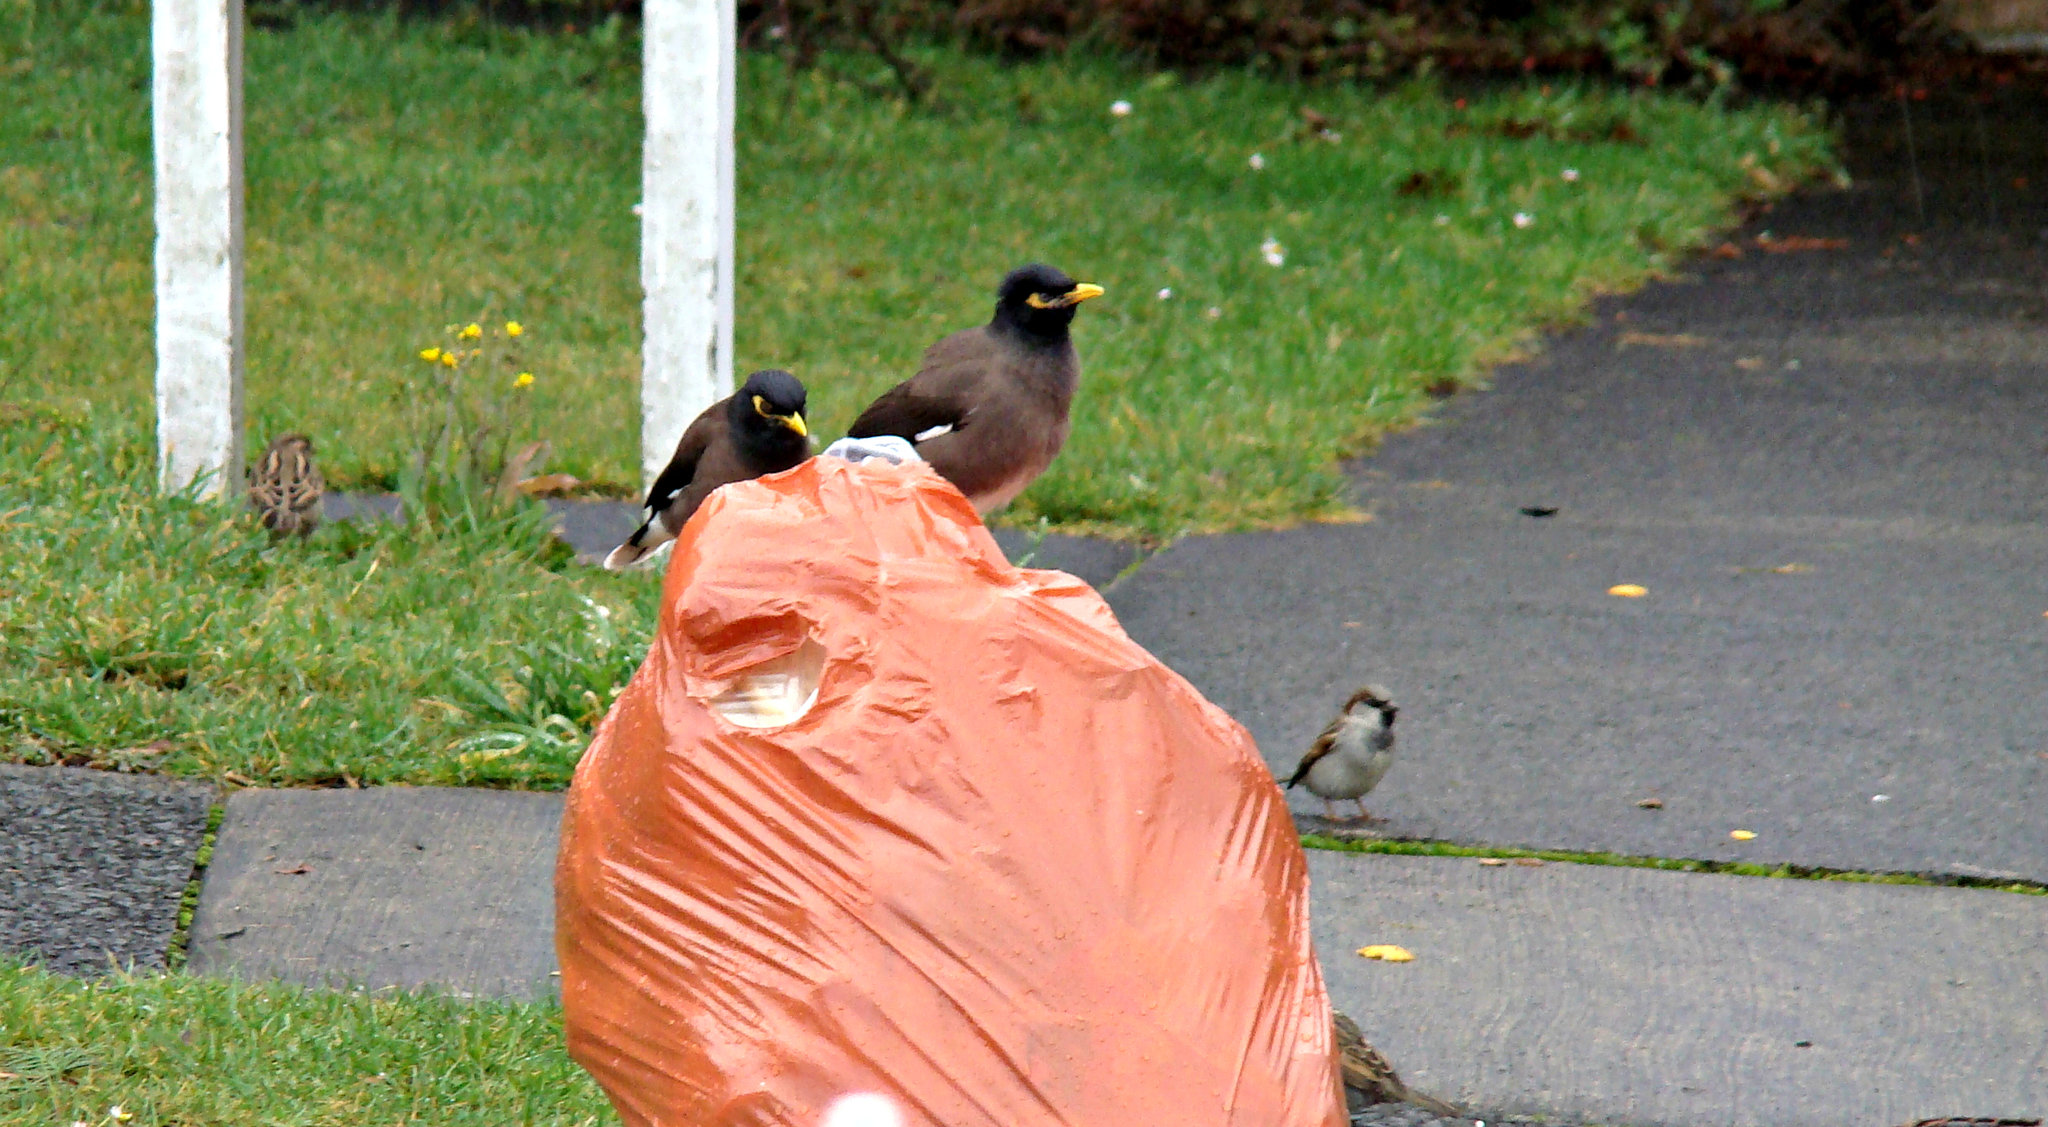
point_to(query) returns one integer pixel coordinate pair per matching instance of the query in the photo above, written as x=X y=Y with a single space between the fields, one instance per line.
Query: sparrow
x=286 y=487
x=1351 y=755
x=757 y=430
x=1366 y=1072
x=988 y=407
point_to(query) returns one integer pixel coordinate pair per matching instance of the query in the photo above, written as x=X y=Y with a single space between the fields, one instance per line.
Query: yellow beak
x=794 y=420
x=1083 y=292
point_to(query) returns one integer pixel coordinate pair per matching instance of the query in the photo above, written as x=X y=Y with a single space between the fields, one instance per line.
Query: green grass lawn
x=152 y=634
x=404 y=175
x=172 y=1049
x=408 y=174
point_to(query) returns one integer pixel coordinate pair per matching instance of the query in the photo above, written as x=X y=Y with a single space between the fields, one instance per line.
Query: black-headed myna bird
x=286 y=486
x=1367 y=1073
x=988 y=409
x=1351 y=755
x=757 y=430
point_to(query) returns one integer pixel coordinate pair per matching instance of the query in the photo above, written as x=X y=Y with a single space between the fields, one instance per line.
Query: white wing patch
x=929 y=433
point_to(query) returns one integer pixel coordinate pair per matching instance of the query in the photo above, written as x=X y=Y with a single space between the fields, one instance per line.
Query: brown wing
x=1366 y=1072
x=285 y=489
x=938 y=395
x=304 y=485
x=266 y=485
x=682 y=466
x=1317 y=750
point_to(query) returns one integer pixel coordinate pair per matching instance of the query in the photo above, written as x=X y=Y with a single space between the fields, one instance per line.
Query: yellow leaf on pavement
x=1388 y=953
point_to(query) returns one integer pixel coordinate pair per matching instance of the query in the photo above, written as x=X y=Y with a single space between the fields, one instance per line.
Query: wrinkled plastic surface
x=1002 y=866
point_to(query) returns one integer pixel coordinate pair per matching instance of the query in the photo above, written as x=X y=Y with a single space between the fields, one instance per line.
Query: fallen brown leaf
x=1793 y=243
x=1659 y=340
x=1650 y=803
x=298 y=870
x=521 y=465
x=1726 y=250
x=1750 y=363
x=1493 y=861
x=1529 y=862
x=550 y=485
x=238 y=778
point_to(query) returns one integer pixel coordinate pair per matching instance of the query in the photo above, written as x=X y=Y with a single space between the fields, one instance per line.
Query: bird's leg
x=1364 y=815
x=1330 y=811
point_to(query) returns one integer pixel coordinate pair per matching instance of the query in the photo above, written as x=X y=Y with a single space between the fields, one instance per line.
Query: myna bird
x=988 y=409
x=757 y=430
x=1351 y=755
x=286 y=487
x=1366 y=1072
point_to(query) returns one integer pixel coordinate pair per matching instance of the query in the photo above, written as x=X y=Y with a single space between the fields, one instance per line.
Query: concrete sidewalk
x=1596 y=993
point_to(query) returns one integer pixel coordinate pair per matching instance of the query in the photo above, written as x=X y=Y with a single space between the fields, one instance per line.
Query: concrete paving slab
x=1635 y=996
x=94 y=864
x=1538 y=710
x=391 y=886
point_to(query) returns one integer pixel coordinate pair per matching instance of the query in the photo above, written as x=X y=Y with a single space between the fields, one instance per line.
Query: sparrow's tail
x=1434 y=1105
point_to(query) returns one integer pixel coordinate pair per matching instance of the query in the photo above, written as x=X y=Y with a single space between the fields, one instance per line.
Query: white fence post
x=196 y=114
x=686 y=252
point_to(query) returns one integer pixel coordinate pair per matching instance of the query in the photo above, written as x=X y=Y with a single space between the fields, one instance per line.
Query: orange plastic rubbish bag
x=882 y=813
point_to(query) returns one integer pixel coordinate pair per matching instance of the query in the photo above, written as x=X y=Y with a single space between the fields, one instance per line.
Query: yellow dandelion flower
x=524 y=379
x=471 y=331
x=430 y=354
x=1628 y=590
x=448 y=360
x=514 y=328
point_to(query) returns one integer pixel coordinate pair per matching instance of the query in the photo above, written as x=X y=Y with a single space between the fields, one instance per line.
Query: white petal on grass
x=1165 y=292
x=1571 y=175
x=1273 y=252
x=1213 y=313
x=1119 y=108
x=1258 y=162
x=1524 y=219
x=1443 y=220
x=639 y=209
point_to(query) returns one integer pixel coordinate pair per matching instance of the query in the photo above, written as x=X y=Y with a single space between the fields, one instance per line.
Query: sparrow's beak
x=1081 y=293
